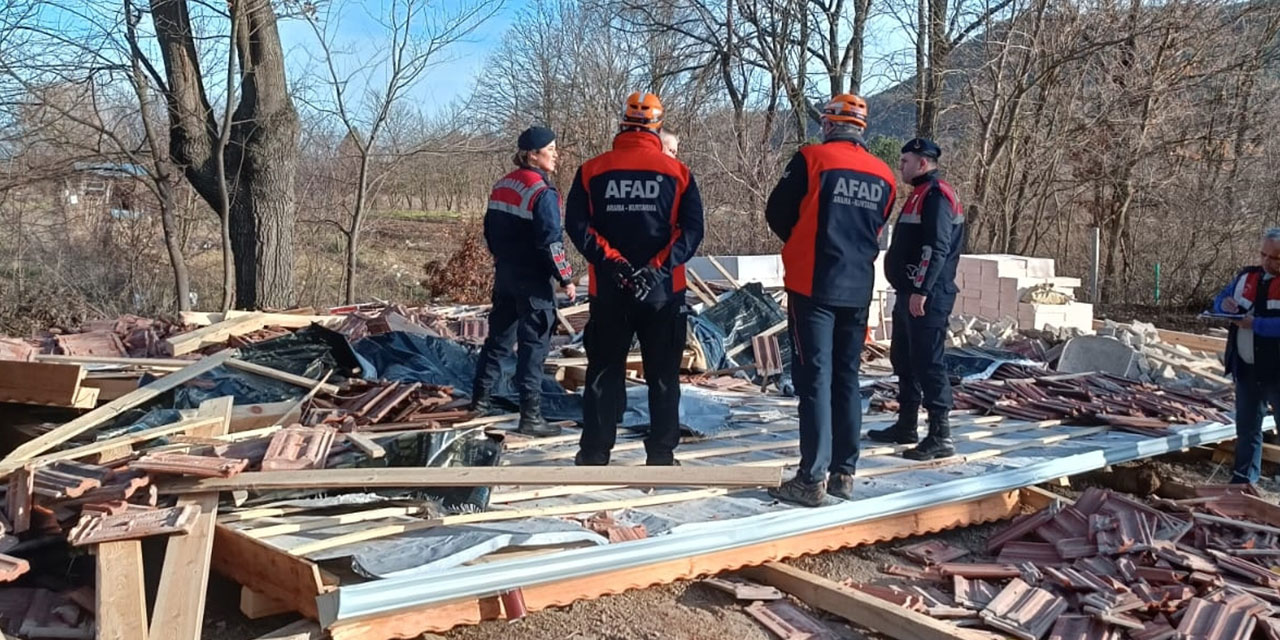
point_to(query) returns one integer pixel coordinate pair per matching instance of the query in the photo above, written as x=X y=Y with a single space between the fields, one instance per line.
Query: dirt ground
x=694 y=611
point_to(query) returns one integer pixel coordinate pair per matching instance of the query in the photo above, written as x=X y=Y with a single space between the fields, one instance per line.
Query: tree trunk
x=261 y=159
x=353 y=234
x=169 y=224
x=162 y=173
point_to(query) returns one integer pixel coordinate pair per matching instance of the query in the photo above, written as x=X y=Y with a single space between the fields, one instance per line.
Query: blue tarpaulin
x=406 y=357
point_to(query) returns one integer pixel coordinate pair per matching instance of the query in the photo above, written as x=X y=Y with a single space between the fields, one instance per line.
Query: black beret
x=923 y=147
x=535 y=138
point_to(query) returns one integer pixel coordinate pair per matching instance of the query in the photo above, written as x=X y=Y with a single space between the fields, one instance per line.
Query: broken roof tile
x=1021 y=527
x=11 y=568
x=1091 y=500
x=986 y=571
x=132 y=524
x=974 y=593
x=1077 y=627
x=1204 y=620
x=1039 y=553
x=1069 y=523
x=1024 y=611
x=189 y=465
x=1075 y=548
x=297 y=448
x=934 y=552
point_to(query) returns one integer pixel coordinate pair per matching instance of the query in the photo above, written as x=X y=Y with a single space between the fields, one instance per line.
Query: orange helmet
x=642 y=111
x=846 y=107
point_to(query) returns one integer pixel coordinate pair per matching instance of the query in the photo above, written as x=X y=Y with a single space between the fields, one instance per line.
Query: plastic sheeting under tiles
x=701 y=413
x=435 y=550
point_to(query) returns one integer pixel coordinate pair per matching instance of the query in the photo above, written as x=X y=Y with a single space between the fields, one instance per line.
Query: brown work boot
x=797 y=491
x=840 y=485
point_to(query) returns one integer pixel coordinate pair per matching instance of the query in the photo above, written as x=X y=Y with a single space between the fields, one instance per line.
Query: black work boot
x=583 y=459
x=938 y=444
x=904 y=431
x=481 y=403
x=797 y=491
x=531 y=421
x=840 y=485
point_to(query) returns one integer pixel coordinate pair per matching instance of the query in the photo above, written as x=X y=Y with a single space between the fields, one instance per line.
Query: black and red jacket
x=635 y=206
x=522 y=231
x=927 y=240
x=828 y=209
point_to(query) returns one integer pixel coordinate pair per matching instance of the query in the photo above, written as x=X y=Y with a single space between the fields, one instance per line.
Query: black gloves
x=643 y=280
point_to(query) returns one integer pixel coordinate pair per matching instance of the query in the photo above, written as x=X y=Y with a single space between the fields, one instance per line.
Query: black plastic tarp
x=743 y=315
x=405 y=357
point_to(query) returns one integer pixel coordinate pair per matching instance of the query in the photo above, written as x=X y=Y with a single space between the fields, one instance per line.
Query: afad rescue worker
x=921 y=266
x=522 y=229
x=636 y=215
x=1253 y=352
x=828 y=209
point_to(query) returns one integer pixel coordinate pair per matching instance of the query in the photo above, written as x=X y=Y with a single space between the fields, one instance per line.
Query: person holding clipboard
x=1252 y=302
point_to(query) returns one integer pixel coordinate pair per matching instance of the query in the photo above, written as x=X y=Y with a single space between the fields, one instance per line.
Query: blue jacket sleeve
x=1223 y=295
x=549 y=237
x=936 y=222
x=689 y=229
x=1267 y=327
x=782 y=211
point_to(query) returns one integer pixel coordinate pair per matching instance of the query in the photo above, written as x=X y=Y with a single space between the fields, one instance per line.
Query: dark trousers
x=916 y=355
x=1252 y=397
x=525 y=321
x=662 y=331
x=826 y=355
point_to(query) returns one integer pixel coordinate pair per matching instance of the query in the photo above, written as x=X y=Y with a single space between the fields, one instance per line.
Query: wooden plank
x=747 y=345
x=314 y=524
x=365 y=444
x=413 y=622
x=117 y=444
x=857 y=607
x=255 y=605
x=282 y=376
x=216 y=333
x=42 y=383
x=184 y=580
x=218 y=409
x=108 y=411
x=300 y=630
x=173 y=364
x=1036 y=499
x=293 y=581
x=120 y=593
x=404 y=477
x=724 y=272
x=111 y=387
x=286 y=320
x=247 y=417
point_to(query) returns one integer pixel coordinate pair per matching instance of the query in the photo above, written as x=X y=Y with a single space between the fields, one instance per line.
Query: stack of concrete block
x=996 y=286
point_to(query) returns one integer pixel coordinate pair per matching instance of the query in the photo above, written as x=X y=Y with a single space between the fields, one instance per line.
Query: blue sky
x=359 y=34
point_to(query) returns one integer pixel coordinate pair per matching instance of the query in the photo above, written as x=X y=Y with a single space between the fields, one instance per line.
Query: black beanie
x=535 y=138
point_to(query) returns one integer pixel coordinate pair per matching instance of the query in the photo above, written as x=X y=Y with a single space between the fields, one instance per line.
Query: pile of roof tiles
x=1085 y=399
x=1108 y=567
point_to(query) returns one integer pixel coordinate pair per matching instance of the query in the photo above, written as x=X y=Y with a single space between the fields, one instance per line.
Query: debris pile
x=1081 y=399
x=1109 y=566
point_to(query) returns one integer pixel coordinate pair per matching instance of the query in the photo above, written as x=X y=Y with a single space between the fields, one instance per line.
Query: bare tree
x=73 y=80
x=417 y=36
x=259 y=157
